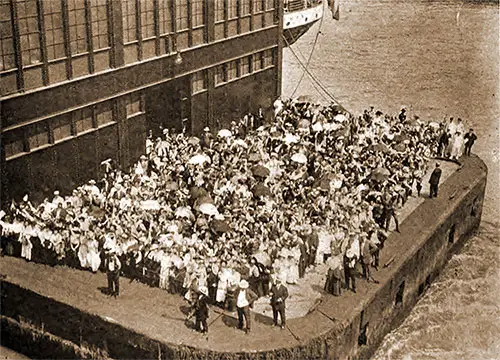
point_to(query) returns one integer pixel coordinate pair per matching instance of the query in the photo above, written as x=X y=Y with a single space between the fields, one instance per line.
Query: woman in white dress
x=26 y=246
x=457 y=146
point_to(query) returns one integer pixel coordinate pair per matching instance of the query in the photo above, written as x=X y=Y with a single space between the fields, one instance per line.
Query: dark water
x=438 y=58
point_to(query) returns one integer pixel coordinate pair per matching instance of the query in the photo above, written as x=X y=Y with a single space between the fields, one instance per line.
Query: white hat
x=56 y=192
x=206 y=129
x=25 y=198
x=203 y=290
x=243 y=284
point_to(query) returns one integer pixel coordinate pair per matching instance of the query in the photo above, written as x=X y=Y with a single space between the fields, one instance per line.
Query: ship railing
x=298 y=5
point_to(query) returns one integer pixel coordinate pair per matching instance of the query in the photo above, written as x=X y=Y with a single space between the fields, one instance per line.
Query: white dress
x=457 y=146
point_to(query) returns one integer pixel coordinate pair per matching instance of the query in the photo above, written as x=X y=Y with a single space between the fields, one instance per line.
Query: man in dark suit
x=113 y=267
x=279 y=293
x=434 y=181
x=470 y=137
x=200 y=309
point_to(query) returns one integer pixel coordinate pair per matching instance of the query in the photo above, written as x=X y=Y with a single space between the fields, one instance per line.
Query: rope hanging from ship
x=310 y=54
x=313 y=78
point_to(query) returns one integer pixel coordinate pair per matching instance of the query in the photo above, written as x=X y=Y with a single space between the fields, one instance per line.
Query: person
x=350 y=270
x=200 y=309
x=434 y=181
x=443 y=143
x=212 y=280
x=457 y=144
x=333 y=283
x=470 y=138
x=244 y=301
x=279 y=294
x=402 y=115
x=113 y=266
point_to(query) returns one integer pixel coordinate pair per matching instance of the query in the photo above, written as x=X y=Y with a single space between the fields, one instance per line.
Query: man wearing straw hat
x=113 y=266
x=244 y=300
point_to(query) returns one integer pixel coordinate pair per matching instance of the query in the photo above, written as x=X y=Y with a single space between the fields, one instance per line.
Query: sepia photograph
x=250 y=179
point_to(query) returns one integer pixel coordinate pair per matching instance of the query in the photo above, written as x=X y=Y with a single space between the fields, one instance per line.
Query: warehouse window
x=13 y=148
x=269 y=4
x=83 y=121
x=232 y=70
x=28 y=31
x=165 y=16
x=61 y=132
x=245 y=7
x=198 y=13
x=135 y=105
x=232 y=9
x=220 y=74
x=256 y=62
x=268 y=58
x=129 y=20
x=257 y=6
x=147 y=19
x=244 y=66
x=54 y=33
x=38 y=140
x=77 y=26
x=104 y=115
x=7 y=58
x=219 y=10
x=181 y=16
x=99 y=12
x=199 y=82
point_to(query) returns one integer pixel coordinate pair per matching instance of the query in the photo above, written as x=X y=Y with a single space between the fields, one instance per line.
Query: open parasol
x=299 y=158
x=380 y=174
x=208 y=209
x=199 y=159
x=254 y=157
x=220 y=226
x=304 y=99
x=380 y=147
x=262 y=258
x=224 y=133
x=304 y=124
x=197 y=192
x=183 y=212
x=261 y=190
x=150 y=205
x=289 y=139
x=434 y=125
x=241 y=142
x=171 y=186
x=400 y=147
x=260 y=171
x=317 y=127
x=340 y=118
x=193 y=140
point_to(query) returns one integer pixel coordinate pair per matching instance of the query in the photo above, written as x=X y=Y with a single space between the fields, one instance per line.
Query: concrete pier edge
x=336 y=328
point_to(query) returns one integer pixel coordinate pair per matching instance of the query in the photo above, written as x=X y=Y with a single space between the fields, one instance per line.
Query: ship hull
x=296 y=23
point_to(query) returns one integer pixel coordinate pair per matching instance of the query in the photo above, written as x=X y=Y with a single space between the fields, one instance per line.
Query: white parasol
x=150 y=205
x=199 y=159
x=434 y=125
x=340 y=118
x=299 y=158
x=183 y=212
x=317 y=127
x=289 y=139
x=241 y=142
x=208 y=209
x=225 y=133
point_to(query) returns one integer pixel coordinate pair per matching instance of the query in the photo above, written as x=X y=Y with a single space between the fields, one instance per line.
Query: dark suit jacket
x=278 y=295
x=435 y=176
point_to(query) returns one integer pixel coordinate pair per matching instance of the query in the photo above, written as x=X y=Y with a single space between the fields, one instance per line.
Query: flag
x=334 y=6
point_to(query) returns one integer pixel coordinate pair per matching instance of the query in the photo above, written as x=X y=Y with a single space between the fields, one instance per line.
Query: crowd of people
x=314 y=184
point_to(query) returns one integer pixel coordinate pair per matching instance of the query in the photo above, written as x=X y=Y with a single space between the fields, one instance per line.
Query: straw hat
x=243 y=284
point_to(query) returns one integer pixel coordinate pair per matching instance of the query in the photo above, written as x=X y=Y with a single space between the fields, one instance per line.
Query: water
x=437 y=58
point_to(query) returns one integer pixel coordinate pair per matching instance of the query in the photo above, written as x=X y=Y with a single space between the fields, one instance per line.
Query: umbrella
x=254 y=157
x=289 y=138
x=197 y=192
x=317 y=127
x=208 y=209
x=434 y=125
x=171 y=186
x=225 y=133
x=193 y=140
x=262 y=258
x=401 y=137
x=220 y=226
x=380 y=147
x=299 y=158
x=261 y=190
x=400 y=147
x=305 y=99
x=340 y=118
x=199 y=159
x=241 y=142
x=260 y=171
x=304 y=124
x=150 y=205
x=183 y=212
x=380 y=174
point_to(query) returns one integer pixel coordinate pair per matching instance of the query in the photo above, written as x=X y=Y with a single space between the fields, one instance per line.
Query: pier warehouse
x=83 y=81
